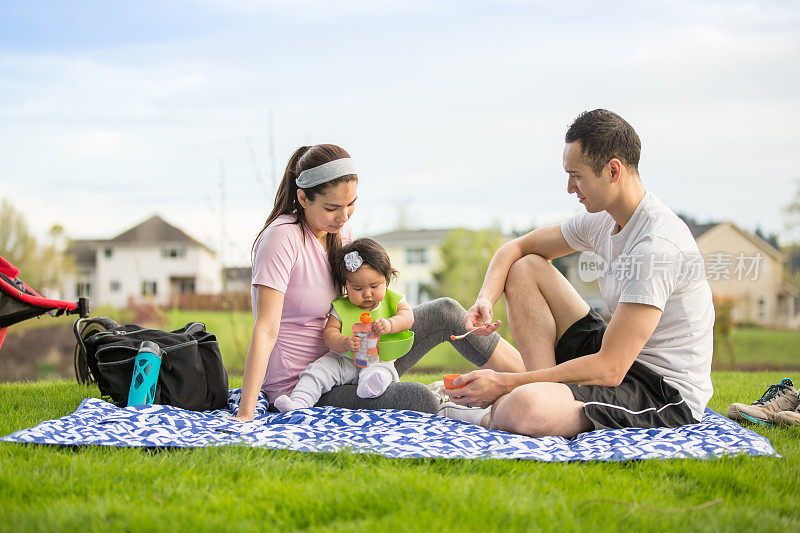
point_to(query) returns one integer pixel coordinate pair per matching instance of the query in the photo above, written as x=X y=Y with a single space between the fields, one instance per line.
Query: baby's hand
x=353 y=343
x=381 y=326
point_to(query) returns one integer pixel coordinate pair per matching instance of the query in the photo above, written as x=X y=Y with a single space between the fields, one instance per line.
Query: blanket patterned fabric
x=392 y=433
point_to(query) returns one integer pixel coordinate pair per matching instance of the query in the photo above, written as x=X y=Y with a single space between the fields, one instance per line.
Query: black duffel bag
x=192 y=375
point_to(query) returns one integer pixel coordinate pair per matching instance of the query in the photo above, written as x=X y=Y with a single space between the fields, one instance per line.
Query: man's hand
x=479 y=315
x=381 y=326
x=352 y=343
x=482 y=388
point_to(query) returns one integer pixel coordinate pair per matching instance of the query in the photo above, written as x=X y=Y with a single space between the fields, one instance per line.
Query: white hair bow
x=353 y=261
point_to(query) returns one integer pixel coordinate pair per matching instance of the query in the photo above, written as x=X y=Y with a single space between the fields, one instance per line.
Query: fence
x=234 y=301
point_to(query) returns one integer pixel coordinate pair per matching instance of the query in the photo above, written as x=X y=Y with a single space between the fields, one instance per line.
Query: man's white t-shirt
x=654 y=260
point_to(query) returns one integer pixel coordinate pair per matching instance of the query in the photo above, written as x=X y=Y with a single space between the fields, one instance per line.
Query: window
x=412 y=292
x=148 y=288
x=114 y=286
x=173 y=253
x=186 y=286
x=108 y=253
x=762 y=309
x=424 y=296
x=416 y=256
x=83 y=289
x=416 y=292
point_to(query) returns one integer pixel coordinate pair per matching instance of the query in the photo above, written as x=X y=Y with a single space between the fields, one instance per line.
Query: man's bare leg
x=541 y=305
x=505 y=358
x=538 y=410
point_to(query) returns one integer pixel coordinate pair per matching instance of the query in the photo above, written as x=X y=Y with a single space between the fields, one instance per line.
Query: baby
x=363 y=269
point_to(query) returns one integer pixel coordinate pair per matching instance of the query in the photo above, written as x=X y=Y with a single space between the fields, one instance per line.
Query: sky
x=454 y=112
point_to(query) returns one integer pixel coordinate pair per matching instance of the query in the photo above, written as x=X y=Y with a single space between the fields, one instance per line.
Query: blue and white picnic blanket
x=392 y=433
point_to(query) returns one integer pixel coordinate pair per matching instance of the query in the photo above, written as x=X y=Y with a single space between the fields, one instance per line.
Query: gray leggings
x=434 y=322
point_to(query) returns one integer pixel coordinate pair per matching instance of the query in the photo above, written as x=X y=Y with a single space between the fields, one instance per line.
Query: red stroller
x=19 y=302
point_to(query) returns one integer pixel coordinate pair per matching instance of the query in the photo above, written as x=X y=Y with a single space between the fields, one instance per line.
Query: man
x=651 y=367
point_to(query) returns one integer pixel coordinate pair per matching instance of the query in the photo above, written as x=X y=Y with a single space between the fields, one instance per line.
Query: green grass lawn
x=46 y=488
x=754 y=346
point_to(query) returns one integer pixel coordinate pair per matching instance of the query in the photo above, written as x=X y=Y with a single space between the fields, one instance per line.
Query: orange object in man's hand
x=448 y=381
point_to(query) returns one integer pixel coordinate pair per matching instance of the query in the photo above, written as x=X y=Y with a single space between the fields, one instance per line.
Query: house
x=746 y=269
x=237 y=279
x=153 y=261
x=416 y=254
x=739 y=266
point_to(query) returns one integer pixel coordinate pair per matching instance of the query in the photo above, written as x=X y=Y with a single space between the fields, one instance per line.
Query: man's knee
x=524 y=272
x=522 y=411
x=540 y=409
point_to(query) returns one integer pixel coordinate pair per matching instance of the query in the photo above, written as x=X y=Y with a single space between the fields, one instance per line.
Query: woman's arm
x=269 y=307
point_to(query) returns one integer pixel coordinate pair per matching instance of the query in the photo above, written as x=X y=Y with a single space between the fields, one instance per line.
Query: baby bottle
x=369 y=342
x=145 y=374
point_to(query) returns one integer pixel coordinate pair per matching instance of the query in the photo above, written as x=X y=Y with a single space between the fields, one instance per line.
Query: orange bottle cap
x=366 y=318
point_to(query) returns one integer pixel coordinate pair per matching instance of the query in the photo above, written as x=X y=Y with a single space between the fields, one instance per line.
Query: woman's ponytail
x=286 y=202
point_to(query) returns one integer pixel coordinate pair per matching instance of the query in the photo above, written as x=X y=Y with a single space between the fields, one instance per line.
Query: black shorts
x=642 y=400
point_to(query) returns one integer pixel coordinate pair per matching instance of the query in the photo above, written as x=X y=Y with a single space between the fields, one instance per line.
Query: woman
x=293 y=288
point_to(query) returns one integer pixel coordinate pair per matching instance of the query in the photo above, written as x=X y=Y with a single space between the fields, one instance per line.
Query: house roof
x=84 y=252
x=699 y=229
x=761 y=243
x=155 y=229
x=752 y=237
x=428 y=236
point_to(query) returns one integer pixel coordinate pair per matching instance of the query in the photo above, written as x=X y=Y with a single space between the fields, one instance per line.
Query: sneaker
x=779 y=397
x=438 y=388
x=473 y=415
x=788 y=418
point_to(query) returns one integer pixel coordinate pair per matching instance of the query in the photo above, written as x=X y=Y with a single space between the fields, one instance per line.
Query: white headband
x=325 y=173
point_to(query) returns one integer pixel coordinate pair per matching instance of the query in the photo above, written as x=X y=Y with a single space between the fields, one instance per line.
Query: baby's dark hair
x=373 y=255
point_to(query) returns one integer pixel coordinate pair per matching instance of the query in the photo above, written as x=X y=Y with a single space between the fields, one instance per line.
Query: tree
x=466 y=255
x=792 y=250
x=771 y=238
x=792 y=211
x=41 y=266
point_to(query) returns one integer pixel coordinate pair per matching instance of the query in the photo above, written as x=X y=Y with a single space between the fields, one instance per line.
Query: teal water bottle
x=145 y=374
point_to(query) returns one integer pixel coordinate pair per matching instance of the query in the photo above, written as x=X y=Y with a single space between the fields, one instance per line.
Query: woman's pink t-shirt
x=299 y=268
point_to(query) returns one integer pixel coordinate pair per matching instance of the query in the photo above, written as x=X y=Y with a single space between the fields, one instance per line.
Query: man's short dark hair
x=604 y=135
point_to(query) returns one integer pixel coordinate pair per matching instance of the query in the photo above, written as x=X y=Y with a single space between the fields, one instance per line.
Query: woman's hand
x=352 y=343
x=482 y=388
x=269 y=307
x=242 y=418
x=381 y=326
x=479 y=315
